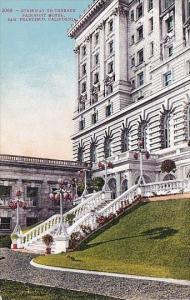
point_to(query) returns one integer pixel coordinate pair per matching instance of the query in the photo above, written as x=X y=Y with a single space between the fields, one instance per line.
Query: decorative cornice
x=89 y=14
x=120 y=10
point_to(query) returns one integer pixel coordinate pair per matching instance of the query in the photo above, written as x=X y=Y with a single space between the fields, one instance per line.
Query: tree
x=168 y=166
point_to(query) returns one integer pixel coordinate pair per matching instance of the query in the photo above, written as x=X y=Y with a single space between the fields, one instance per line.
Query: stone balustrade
x=51 y=224
x=165 y=187
x=38 y=161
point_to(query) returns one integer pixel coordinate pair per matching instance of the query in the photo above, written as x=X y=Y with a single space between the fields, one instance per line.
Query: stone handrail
x=165 y=187
x=90 y=219
x=36 y=160
x=51 y=224
x=40 y=229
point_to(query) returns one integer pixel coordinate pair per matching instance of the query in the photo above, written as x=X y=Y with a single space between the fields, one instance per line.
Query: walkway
x=16 y=266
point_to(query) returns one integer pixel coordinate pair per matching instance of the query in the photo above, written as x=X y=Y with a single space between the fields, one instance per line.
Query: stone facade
x=36 y=178
x=133 y=83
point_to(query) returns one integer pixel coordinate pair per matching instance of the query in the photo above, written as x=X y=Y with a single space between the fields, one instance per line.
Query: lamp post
x=62 y=193
x=140 y=153
x=15 y=205
x=83 y=173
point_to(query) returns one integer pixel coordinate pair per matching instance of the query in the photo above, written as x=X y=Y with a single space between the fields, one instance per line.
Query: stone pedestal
x=61 y=244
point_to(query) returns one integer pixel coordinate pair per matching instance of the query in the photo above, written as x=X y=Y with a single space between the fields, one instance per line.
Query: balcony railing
x=38 y=161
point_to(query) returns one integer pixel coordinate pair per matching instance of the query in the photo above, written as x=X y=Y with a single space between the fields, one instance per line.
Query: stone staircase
x=98 y=204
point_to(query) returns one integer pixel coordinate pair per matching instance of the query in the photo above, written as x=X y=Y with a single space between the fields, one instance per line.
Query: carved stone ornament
x=120 y=10
x=109 y=79
x=76 y=50
x=95 y=90
x=83 y=98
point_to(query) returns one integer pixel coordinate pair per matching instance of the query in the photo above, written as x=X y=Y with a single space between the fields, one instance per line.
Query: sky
x=37 y=80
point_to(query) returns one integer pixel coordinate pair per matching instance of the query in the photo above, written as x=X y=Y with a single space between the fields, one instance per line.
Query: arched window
x=93 y=152
x=166 y=130
x=80 y=154
x=125 y=140
x=107 y=147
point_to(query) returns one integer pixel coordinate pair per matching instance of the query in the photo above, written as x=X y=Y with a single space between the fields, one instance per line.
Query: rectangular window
x=132 y=39
x=96 y=38
x=168 y=3
x=96 y=78
x=132 y=16
x=140 y=55
x=169 y=24
x=81 y=124
x=83 y=69
x=150 y=4
x=110 y=67
x=151 y=48
x=83 y=87
x=110 y=24
x=168 y=78
x=5 y=192
x=94 y=118
x=111 y=47
x=108 y=110
x=140 y=33
x=170 y=50
x=139 y=11
x=5 y=223
x=132 y=62
x=83 y=51
x=32 y=195
x=96 y=59
x=151 y=24
x=140 y=78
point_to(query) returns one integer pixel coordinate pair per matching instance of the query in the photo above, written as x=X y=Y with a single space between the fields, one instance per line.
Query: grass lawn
x=17 y=291
x=153 y=239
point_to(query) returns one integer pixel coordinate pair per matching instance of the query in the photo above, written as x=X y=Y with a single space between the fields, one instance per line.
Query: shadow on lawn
x=153 y=234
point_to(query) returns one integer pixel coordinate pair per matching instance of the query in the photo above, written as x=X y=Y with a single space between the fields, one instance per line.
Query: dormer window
x=139 y=11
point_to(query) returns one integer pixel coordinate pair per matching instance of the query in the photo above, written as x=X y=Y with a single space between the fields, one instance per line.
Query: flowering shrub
x=120 y=211
x=101 y=220
x=86 y=229
x=76 y=237
x=111 y=216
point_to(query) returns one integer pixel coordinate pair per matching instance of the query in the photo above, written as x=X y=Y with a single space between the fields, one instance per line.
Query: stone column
x=118 y=184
